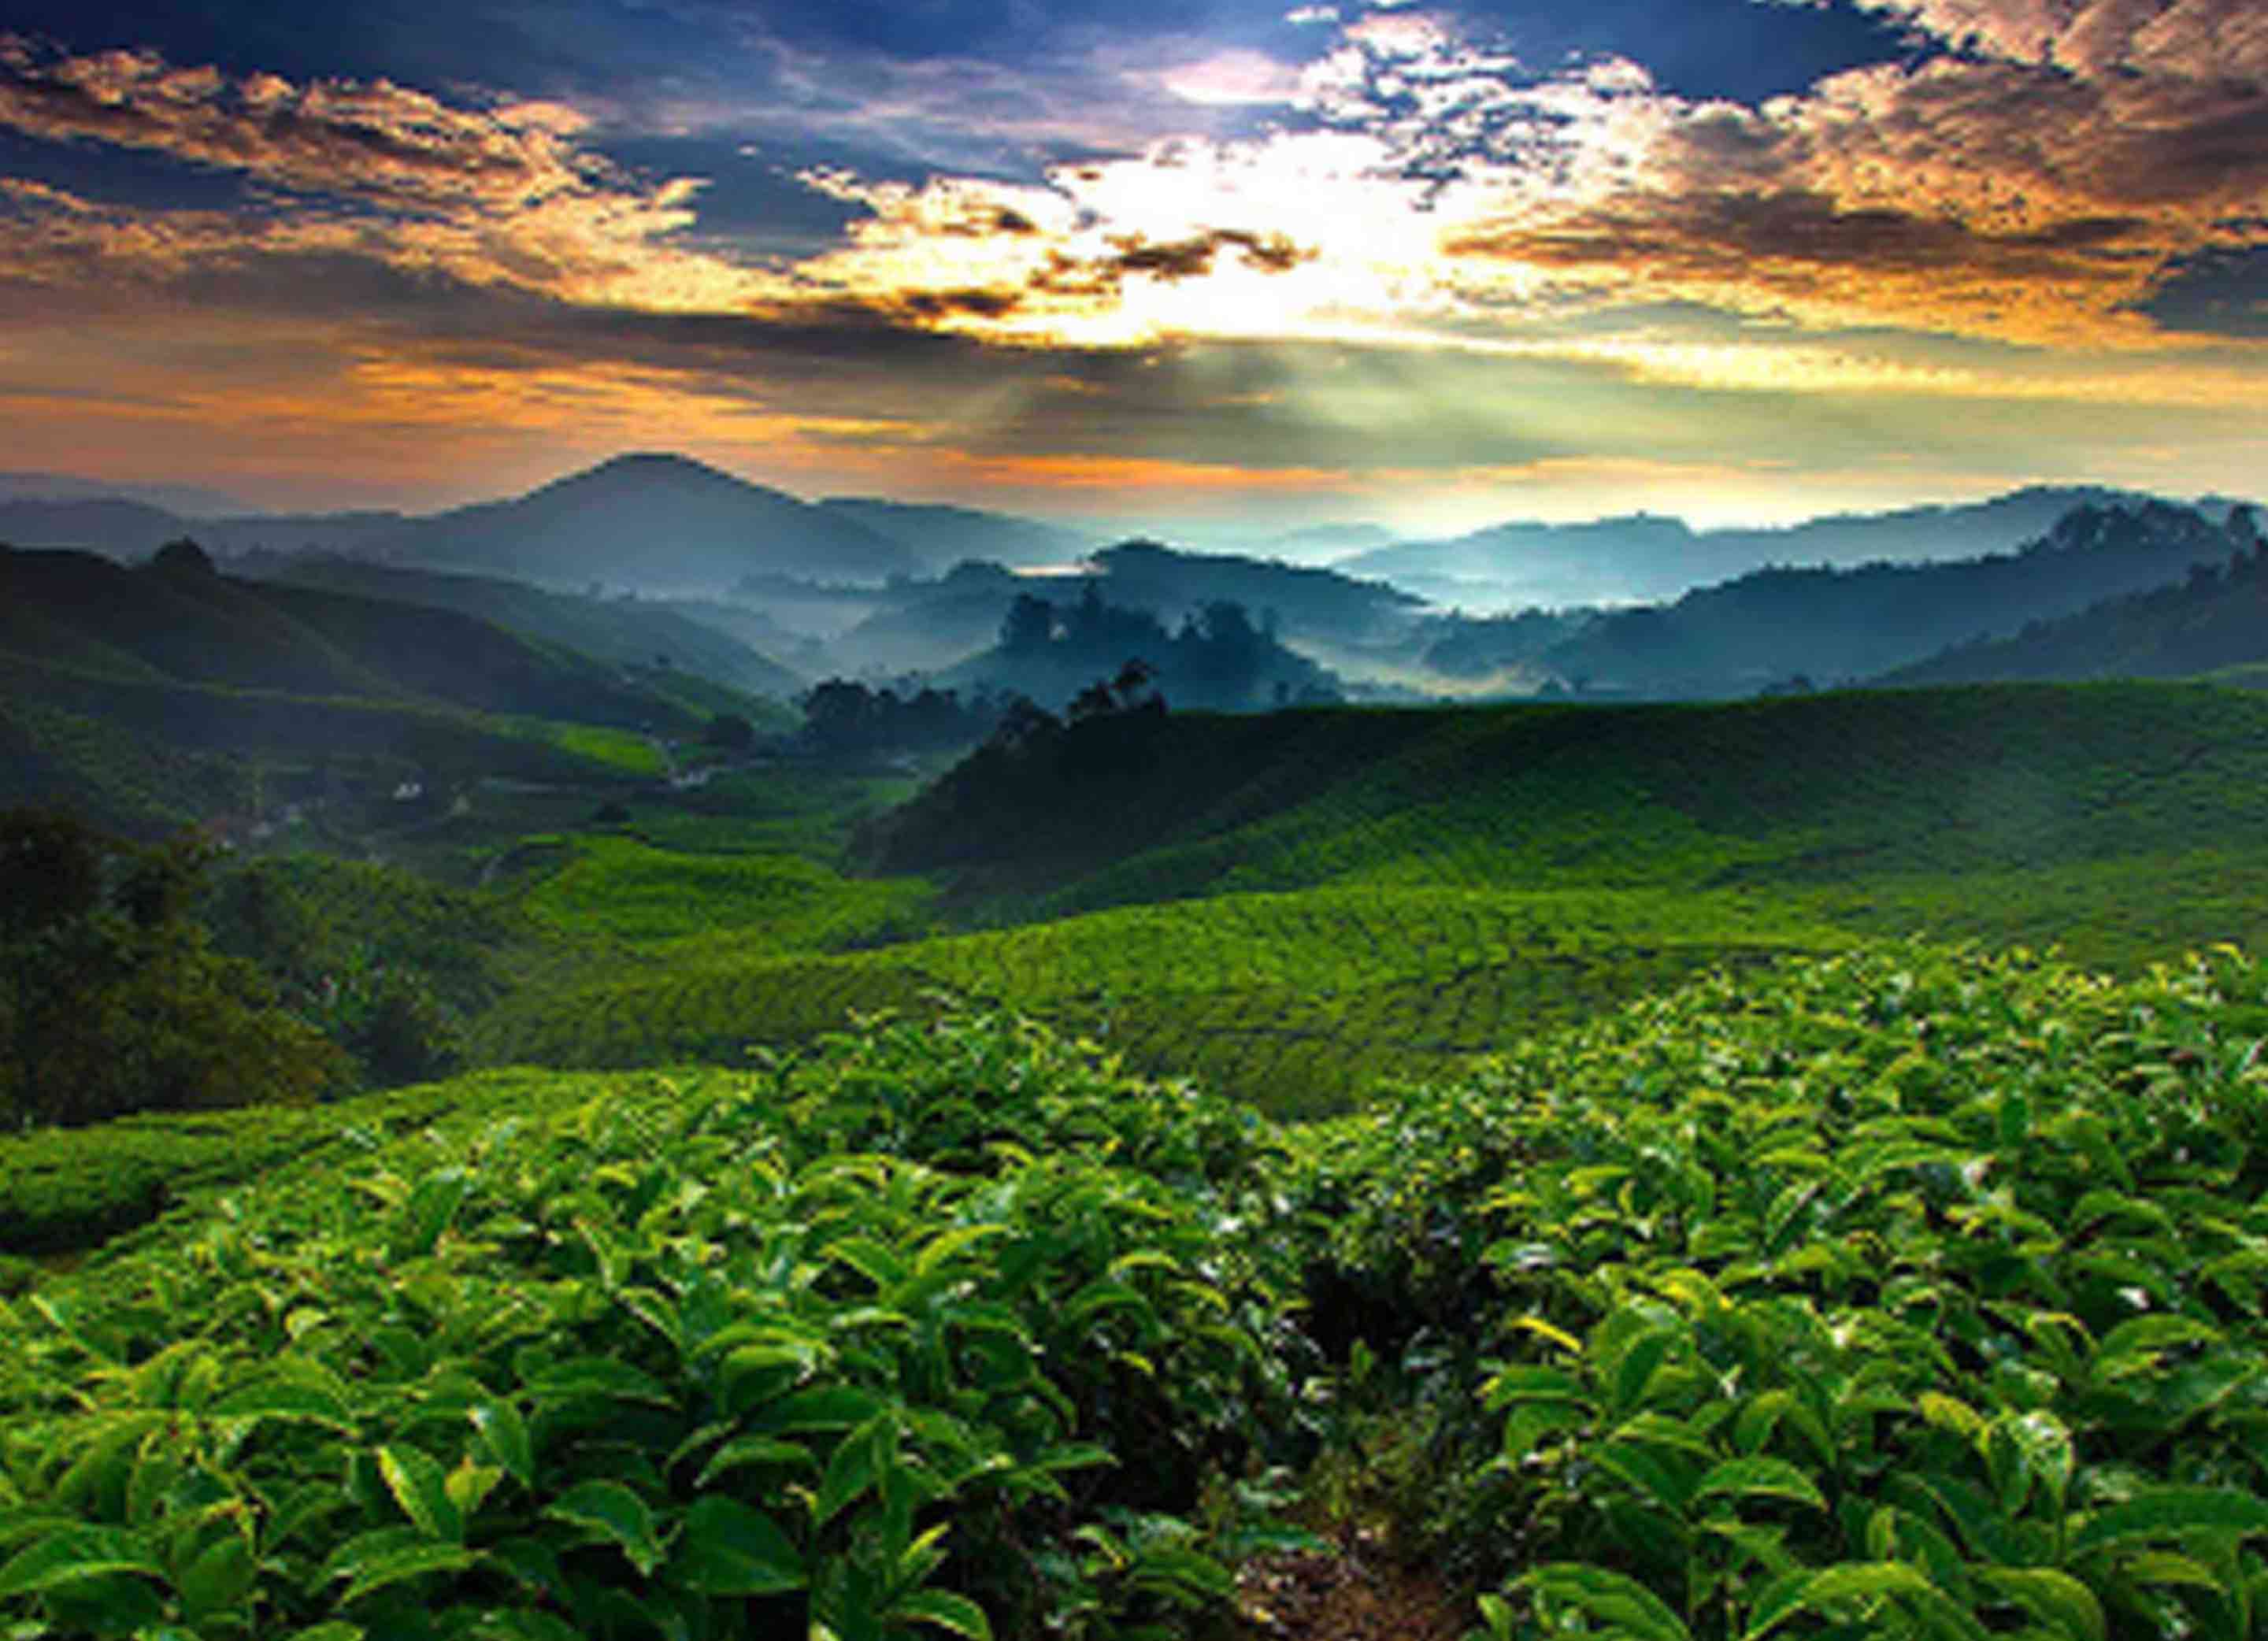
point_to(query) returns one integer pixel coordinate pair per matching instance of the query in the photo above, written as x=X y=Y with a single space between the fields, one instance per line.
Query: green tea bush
x=1901 y=1293
x=672 y=1362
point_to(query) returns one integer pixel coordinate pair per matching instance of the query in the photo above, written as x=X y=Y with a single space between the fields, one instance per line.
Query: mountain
x=654 y=521
x=1643 y=558
x=192 y=500
x=943 y=536
x=1218 y=660
x=180 y=621
x=1303 y=600
x=2213 y=620
x=628 y=631
x=106 y=523
x=1828 y=624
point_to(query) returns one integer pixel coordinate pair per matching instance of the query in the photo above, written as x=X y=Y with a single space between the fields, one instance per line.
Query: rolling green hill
x=181 y=621
x=1300 y=906
x=627 y=632
x=1785 y=790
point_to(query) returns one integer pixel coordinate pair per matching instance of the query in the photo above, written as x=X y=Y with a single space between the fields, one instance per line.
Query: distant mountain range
x=1833 y=626
x=649 y=521
x=1644 y=558
x=194 y=500
x=942 y=536
x=2212 y=620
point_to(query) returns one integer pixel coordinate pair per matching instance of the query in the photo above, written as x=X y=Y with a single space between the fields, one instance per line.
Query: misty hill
x=926 y=626
x=941 y=536
x=628 y=631
x=2215 y=618
x=104 y=524
x=192 y=499
x=931 y=625
x=1831 y=624
x=178 y=621
x=1300 y=600
x=1799 y=792
x=1643 y=558
x=133 y=528
x=1216 y=657
x=654 y=520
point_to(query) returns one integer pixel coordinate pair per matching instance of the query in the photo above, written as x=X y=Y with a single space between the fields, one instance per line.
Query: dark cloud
x=1193 y=257
x=2215 y=293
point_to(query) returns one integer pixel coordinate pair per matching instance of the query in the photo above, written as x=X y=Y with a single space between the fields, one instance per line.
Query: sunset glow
x=1440 y=262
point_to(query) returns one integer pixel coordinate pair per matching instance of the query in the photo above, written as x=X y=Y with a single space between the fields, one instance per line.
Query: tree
x=729 y=731
x=183 y=558
x=112 y=998
x=1028 y=625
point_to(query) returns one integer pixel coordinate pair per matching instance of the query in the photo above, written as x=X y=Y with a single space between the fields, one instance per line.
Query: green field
x=1531 y=1142
x=1306 y=906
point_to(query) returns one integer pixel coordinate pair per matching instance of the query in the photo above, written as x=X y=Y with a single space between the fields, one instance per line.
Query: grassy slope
x=1303 y=905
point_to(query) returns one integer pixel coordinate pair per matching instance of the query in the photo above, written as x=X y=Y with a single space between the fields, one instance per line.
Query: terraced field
x=1328 y=900
x=1299 y=1001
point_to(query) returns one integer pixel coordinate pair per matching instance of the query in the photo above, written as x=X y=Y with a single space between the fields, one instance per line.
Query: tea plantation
x=1531 y=1142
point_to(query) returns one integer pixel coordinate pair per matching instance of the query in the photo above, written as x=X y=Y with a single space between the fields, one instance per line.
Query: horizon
x=1268 y=539
x=1224 y=267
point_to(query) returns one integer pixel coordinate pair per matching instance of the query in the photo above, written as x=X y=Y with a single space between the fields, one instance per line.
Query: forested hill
x=2215 y=618
x=1829 y=625
x=1121 y=808
x=1648 y=558
x=177 y=621
x=1302 y=600
x=628 y=631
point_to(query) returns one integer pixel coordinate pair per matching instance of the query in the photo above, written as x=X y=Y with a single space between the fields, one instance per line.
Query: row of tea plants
x=1898 y=1293
x=933 y=1330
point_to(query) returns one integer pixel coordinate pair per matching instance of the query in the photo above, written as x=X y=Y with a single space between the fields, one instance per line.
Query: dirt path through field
x=1354 y=1594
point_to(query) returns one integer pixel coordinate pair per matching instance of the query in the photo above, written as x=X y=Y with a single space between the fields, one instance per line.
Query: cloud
x=1458 y=248
x=373 y=140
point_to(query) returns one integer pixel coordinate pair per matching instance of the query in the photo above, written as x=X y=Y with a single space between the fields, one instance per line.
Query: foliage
x=112 y=998
x=628 y=888
x=387 y=965
x=1899 y=1293
x=1298 y=1003
x=664 y=1362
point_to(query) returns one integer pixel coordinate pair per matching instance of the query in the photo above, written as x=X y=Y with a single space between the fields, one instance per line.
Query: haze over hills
x=625 y=630
x=1642 y=556
x=1837 y=625
x=2213 y=621
x=191 y=500
x=942 y=536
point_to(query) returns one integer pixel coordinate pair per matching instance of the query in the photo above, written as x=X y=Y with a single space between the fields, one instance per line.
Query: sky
x=1203 y=262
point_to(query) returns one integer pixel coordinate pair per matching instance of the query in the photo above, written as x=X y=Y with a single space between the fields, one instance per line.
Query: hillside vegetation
x=1299 y=907
x=179 y=620
x=627 y=632
x=1902 y=1294
x=1838 y=625
x=2209 y=622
